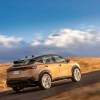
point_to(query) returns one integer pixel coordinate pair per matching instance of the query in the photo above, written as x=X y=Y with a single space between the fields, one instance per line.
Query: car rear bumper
x=29 y=82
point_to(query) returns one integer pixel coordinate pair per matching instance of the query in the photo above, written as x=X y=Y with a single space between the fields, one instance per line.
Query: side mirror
x=67 y=60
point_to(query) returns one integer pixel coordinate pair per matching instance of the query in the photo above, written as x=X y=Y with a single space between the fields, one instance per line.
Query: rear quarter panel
x=53 y=70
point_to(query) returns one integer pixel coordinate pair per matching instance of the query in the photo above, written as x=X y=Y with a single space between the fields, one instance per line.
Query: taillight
x=31 y=67
x=9 y=69
x=20 y=68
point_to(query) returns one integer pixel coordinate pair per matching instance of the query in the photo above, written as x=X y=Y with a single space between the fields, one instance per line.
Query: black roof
x=47 y=55
x=50 y=55
x=36 y=57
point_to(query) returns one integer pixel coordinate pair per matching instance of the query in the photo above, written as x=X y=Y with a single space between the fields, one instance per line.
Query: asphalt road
x=57 y=88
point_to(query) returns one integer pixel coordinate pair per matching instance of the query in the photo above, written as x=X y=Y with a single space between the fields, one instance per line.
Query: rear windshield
x=25 y=62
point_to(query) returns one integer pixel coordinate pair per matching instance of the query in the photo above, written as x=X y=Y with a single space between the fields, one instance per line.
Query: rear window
x=25 y=62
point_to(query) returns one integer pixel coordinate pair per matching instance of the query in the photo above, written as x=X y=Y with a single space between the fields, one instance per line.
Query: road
x=57 y=88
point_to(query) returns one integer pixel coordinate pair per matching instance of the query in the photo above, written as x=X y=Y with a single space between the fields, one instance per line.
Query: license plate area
x=16 y=72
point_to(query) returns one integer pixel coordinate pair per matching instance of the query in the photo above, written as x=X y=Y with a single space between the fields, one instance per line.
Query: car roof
x=45 y=55
x=38 y=57
x=41 y=56
x=48 y=55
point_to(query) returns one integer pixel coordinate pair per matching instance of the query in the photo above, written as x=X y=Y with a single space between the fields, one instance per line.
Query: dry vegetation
x=91 y=92
x=87 y=65
x=3 y=68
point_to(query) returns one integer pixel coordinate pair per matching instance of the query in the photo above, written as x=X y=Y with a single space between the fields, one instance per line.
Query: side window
x=40 y=60
x=48 y=59
x=59 y=59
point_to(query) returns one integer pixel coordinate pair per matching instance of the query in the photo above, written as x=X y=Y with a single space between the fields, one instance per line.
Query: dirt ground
x=91 y=92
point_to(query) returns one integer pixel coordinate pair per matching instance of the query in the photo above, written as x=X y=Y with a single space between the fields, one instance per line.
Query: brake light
x=9 y=69
x=31 y=67
x=20 y=68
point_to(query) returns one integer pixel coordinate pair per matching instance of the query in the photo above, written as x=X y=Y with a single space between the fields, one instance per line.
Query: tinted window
x=25 y=62
x=59 y=59
x=40 y=60
x=48 y=59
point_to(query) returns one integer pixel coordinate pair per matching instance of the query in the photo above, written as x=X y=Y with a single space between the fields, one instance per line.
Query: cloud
x=70 y=42
x=85 y=26
x=9 y=41
x=65 y=42
x=68 y=37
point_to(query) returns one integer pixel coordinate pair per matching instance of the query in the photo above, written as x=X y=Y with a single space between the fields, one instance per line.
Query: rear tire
x=76 y=74
x=45 y=81
x=16 y=89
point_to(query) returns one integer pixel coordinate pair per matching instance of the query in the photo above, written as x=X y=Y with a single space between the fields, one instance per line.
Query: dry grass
x=3 y=68
x=87 y=65
x=91 y=92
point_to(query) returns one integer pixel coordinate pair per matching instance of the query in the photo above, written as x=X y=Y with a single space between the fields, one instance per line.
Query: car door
x=62 y=65
x=51 y=66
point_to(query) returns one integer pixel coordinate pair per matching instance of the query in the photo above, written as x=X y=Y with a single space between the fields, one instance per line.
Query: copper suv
x=41 y=71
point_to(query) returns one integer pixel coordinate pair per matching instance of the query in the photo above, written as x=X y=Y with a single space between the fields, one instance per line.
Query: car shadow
x=36 y=89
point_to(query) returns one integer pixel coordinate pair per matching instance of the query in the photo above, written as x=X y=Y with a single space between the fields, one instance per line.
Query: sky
x=33 y=27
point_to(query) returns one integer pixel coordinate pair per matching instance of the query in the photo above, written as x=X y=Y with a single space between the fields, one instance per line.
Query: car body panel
x=22 y=74
x=65 y=69
x=56 y=69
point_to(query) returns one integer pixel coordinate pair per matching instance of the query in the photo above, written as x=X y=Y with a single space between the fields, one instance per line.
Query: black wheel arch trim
x=75 y=66
x=44 y=72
